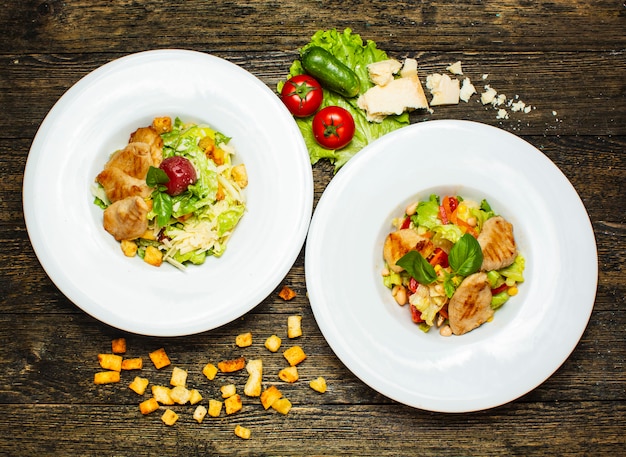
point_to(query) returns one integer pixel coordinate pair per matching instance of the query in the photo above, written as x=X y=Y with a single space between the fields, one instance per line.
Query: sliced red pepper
x=497 y=290
x=447 y=210
x=406 y=223
x=442 y=215
x=439 y=257
x=416 y=315
x=413 y=285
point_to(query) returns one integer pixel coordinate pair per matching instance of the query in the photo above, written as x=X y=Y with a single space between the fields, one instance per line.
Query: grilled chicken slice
x=470 y=306
x=134 y=160
x=151 y=137
x=398 y=243
x=119 y=185
x=497 y=243
x=127 y=219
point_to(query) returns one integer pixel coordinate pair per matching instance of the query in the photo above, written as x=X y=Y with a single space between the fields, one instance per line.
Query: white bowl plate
x=93 y=119
x=530 y=336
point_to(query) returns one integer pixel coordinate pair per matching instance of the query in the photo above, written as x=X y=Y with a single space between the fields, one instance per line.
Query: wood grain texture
x=566 y=58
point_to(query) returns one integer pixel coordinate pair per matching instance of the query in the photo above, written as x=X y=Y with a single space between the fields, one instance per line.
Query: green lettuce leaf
x=349 y=49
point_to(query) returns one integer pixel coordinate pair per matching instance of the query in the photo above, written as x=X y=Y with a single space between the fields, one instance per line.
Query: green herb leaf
x=418 y=267
x=162 y=207
x=156 y=176
x=466 y=256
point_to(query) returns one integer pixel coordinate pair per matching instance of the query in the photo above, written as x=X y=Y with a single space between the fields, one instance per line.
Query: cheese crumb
x=488 y=96
x=467 y=90
x=455 y=68
x=502 y=114
x=445 y=90
x=381 y=73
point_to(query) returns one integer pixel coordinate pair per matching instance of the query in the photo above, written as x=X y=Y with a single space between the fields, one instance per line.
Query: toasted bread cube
x=294 y=355
x=233 y=404
x=273 y=343
x=229 y=366
x=153 y=256
x=242 y=432
x=129 y=248
x=228 y=390
x=160 y=358
x=169 y=417
x=294 y=326
x=253 y=384
x=180 y=395
x=286 y=293
x=111 y=362
x=244 y=340
x=139 y=385
x=148 y=406
x=289 y=374
x=132 y=364
x=118 y=346
x=106 y=377
x=269 y=396
x=209 y=371
x=199 y=413
x=195 y=397
x=162 y=395
x=149 y=235
x=318 y=384
x=215 y=408
x=282 y=405
x=240 y=175
x=179 y=377
x=162 y=124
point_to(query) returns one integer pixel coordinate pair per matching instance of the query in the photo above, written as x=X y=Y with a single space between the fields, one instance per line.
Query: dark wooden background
x=562 y=56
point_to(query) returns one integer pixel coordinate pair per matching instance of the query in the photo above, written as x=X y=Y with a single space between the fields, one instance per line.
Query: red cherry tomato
x=181 y=173
x=302 y=95
x=333 y=127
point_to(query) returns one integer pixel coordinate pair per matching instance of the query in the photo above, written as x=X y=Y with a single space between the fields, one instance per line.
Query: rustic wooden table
x=566 y=58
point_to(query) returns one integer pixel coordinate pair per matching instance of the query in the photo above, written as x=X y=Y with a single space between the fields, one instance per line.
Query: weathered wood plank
x=252 y=26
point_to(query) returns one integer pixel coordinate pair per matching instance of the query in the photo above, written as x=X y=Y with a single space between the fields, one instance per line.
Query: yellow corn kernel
x=512 y=291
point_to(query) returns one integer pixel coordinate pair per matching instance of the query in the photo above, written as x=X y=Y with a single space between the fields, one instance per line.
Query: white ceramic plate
x=530 y=336
x=93 y=119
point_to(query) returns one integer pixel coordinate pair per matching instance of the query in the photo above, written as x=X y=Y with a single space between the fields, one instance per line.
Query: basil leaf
x=156 y=176
x=418 y=267
x=162 y=207
x=466 y=256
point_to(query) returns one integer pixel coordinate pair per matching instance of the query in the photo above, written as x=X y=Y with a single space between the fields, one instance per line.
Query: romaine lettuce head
x=349 y=49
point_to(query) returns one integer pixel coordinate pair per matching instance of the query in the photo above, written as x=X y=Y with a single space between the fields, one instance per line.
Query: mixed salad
x=195 y=198
x=435 y=246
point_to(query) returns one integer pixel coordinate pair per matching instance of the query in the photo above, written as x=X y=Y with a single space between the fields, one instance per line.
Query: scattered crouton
x=282 y=405
x=148 y=406
x=253 y=384
x=269 y=396
x=318 y=385
x=199 y=413
x=244 y=340
x=179 y=377
x=180 y=395
x=242 y=432
x=289 y=374
x=273 y=343
x=210 y=371
x=229 y=366
x=111 y=362
x=129 y=248
x=169 y=417
x=132 y=364
x=294 y=355
x=160 y=358
x=195 y=396
x=106 y=377
x=233 y=404
x=286 y=293
x=139 y=385
x=228 y=390
x=215 y=408
x=118 y=346
x=294 y=326
x=162 y=395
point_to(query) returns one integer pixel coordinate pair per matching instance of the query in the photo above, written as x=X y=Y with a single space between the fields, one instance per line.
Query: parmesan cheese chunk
x=467 y=90
x=488 y=96
x=381 y=73
x=396 y=97
x=445 y=91
x=455 y=68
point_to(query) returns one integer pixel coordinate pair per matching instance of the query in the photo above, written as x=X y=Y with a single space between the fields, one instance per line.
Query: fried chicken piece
x=135 y=160
x=127 y=219
x=119 y=185
x=470 y=306
x=398 y=243
x=151 y=137
x=497 y=243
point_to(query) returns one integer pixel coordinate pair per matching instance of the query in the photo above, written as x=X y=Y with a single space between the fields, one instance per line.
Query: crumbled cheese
x=397 y=96
x=381 y=73
x=488 y=96
x=445 y=91
x=467 y=90
x=499 y=100
x=455 y=68
x=518 y=106
x=485 y=76
x=502 y=114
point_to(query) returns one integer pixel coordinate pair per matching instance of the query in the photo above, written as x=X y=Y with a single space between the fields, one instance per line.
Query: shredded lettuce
x=349 y=49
